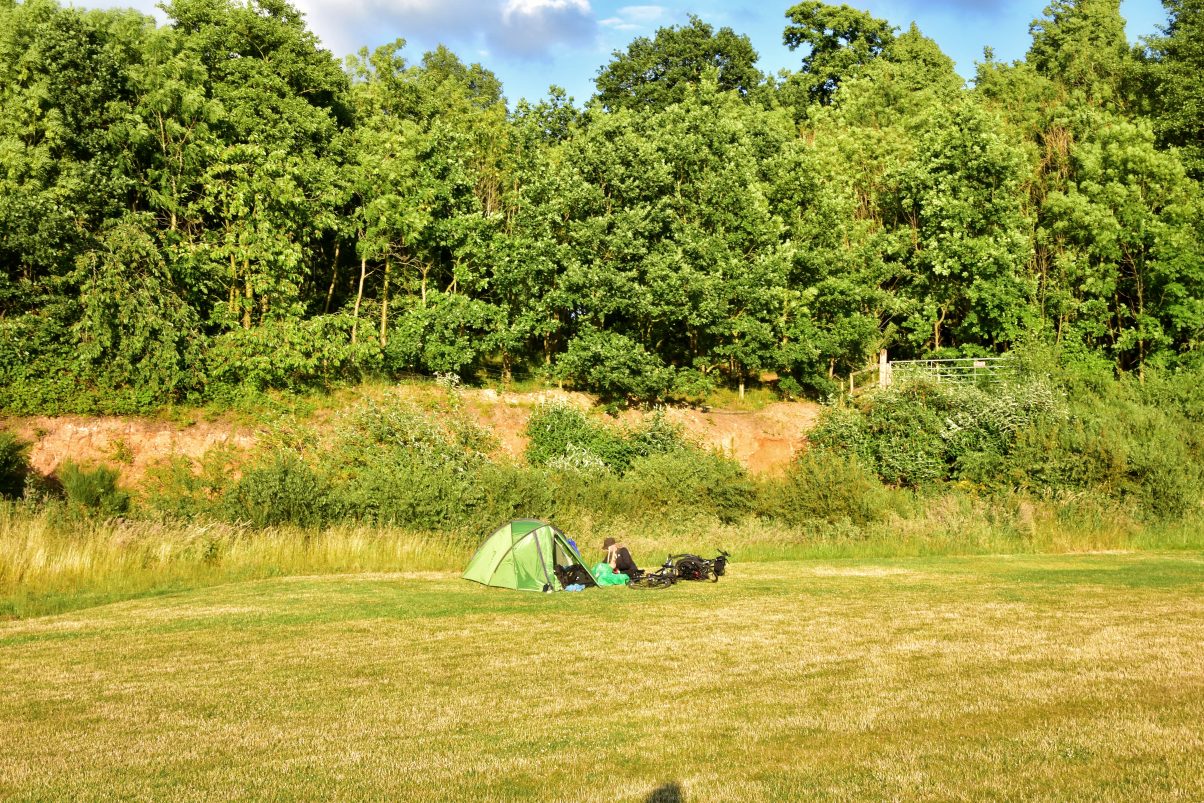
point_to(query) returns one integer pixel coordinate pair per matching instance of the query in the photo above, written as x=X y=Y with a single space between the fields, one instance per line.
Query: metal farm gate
x=972 y=370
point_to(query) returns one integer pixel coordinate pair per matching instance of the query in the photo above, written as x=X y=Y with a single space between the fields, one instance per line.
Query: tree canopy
x=193 y=210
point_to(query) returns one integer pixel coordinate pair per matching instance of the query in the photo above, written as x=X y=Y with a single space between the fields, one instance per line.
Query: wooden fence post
x=883 y=370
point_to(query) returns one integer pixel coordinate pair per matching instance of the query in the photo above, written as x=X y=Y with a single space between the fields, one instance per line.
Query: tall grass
x=51 y=562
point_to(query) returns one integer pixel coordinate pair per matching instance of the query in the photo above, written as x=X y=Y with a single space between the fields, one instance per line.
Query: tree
x=1125 y=252
x=654 y=73
x=1081 y=45
x=962 y=233
x=1179 y=96
x=840 y=40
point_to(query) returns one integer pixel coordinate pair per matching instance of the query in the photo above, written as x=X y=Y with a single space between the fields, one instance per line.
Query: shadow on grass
x=669 y=793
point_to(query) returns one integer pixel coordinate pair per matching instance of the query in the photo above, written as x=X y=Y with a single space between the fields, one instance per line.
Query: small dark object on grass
x=683 y=567
x=693 y=567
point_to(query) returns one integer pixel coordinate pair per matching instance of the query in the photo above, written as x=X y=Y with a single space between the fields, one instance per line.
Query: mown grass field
x=1027 y=677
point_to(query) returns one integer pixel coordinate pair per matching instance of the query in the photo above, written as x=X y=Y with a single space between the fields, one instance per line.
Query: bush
x=175 y=491
x=918 y=432
x=93 y=491
x=687 y=478
x=388 y=464
x=291 y=354
x=1148 y=456
x=561 y=436
x=826 y=486
x=285 y=491
x=557 y=429
x=614 y=366
x=14 y=465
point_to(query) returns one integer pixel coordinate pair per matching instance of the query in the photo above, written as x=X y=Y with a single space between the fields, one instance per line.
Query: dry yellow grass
x=1060 y=678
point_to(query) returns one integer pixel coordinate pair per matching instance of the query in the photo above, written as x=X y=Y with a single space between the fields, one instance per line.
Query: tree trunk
x=250 y=296
x=233 y=289
x=384 y=308
x=334 y=277
x=359 y=297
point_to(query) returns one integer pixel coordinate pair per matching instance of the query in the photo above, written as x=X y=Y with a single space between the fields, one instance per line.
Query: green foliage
x=562 y=436
x=686 y=480
x=176 y=490
x=1081 y=44
x=1138 y=445
x=1177 y=62
x=654 y=73
x=1123 y=444
x=560 y=431
x=93 y=491
x=389 y=464
x=284 y=490
x=285 y=354
x=827 y=486
x=14 y=465
x=839 y=40
x=917 y=433
x=199 y=210
x=613 y=366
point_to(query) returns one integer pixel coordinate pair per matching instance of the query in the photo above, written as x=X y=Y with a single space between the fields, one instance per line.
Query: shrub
x=408 y=489
x=284 y=491
x=687 y=478
x=93 y=491
x=555 y=429
x=388 y=463
x=14 y=465
x=1120 y=444
x=288 y=354
x=827 y=486
x=175 y=490
x=693 y=386
x=614 y=366
x=919 y=432
x=562 y=436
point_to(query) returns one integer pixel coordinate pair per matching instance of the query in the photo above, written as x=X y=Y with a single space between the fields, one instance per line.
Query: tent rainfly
x=528 y=555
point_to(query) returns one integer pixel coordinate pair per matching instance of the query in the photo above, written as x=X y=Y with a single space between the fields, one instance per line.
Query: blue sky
x=530 y=44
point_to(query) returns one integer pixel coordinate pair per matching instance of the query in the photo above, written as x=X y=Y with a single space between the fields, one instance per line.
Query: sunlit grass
x=1012 y=678
x=51 y=562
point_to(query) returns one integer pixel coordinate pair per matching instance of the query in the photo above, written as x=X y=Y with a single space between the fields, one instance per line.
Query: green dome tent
x=528 y=555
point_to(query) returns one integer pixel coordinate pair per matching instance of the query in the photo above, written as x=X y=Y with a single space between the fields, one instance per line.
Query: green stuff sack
x=606 y=576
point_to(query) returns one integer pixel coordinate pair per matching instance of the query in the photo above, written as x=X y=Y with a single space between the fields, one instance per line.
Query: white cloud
x=634 y=18
x=525 y=29
x=619 y=24
x=642 y=13
x=530 y=28
x=535 y=7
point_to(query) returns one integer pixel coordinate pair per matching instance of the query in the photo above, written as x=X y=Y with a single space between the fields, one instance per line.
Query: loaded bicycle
x=684 y=566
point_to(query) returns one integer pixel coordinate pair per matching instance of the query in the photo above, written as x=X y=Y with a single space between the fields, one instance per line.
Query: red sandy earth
x=764 y=441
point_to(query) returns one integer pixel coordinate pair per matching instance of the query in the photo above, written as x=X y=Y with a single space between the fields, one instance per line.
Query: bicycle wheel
x=689 y=567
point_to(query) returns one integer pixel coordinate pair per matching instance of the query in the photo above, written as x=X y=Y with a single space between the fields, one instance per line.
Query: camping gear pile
x=532 y=555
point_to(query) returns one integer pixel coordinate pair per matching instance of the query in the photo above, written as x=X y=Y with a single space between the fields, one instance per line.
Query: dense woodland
x=195 y=210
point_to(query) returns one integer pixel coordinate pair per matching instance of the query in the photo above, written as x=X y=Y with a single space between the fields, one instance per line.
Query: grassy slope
x=1068 y=677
